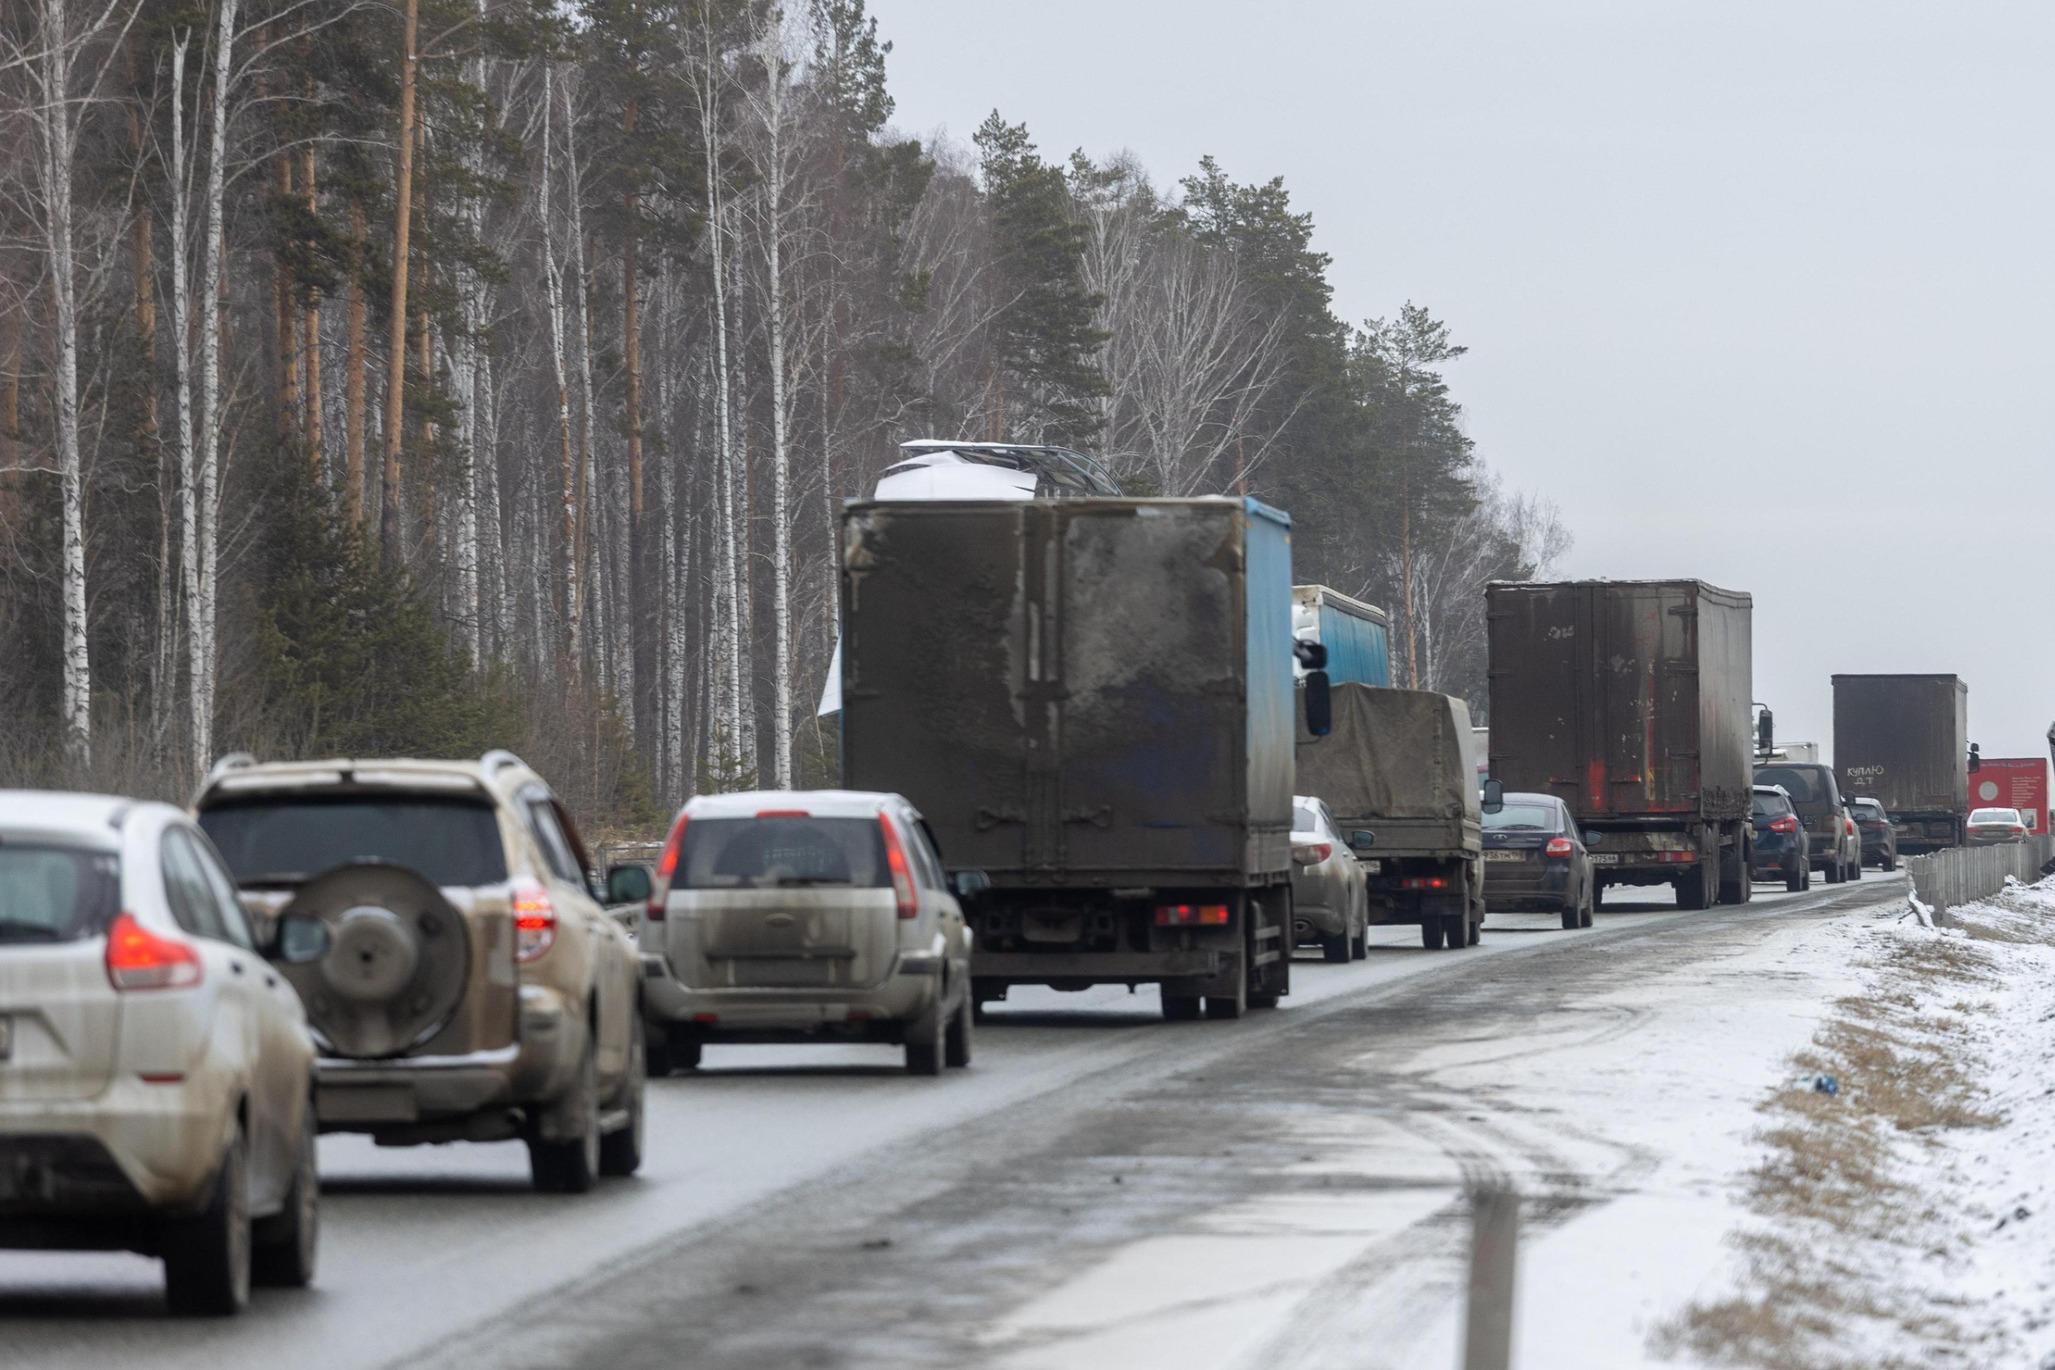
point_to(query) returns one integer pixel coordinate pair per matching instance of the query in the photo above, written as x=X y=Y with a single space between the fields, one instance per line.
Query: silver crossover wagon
x=805 y=916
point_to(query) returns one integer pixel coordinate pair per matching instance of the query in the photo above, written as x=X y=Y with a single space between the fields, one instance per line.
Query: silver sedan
x=1330 y=903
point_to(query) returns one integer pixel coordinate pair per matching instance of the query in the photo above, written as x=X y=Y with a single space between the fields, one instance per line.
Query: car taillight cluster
x=1312 y=853
x=138 y=958
x=535 y=921
x=666 y=867
x=1559 y=847
x=1787 y=824
x=902 y=872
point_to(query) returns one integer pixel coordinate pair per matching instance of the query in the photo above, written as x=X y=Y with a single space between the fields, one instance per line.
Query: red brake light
x=1786 y=824
x=535 y=921
x=1312 y=853
x=138 y=958
x=1559 y=847
x=902 y=873
x=1191 y=915
x=783 y=813
x=1851 y=827
x=666 y=867
x=1423 y=882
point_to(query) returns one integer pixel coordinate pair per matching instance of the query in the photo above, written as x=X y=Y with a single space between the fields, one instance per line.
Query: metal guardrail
x=1962 y=875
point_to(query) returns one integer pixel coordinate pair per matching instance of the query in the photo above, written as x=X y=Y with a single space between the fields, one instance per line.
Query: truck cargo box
x=1903 y=740
x=1400 y=763
x=1357 y=636
x=1090 y=692
x=1626 y=699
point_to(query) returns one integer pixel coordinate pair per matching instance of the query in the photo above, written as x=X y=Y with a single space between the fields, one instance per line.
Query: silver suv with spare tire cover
x=474 y=988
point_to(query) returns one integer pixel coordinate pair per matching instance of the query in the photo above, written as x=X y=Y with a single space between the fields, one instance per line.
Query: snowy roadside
x=1895 y=1206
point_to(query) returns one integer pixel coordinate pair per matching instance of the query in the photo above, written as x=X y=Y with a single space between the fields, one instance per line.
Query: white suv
x=156 y=1073
x=806 y=916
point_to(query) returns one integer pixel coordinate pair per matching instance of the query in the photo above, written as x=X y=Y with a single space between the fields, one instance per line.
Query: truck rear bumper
x=1100 y=967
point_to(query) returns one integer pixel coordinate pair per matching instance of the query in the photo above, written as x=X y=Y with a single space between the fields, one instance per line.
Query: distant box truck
x=1399 y=771
x=1357 y=636
x=1903 y=740
x=1630 y=701
x=1091 y=702
x=2013 y=782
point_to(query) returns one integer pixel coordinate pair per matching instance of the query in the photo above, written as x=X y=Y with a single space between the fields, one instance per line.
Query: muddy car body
x=475 y=989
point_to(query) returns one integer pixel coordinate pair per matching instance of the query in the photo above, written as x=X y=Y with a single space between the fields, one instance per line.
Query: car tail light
x=1787 y=824
x=1191 y=915
x=1677 y=858
x=138 y=958
x=1559 y=847
x=2018 y=831
x=666 y=867
x=902 y=873
x=1851 y=827
x=535 y=921
x=1312 y=853
x=1424 y=882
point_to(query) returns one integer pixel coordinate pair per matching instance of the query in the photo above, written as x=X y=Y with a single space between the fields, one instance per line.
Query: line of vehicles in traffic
x=1088 y=740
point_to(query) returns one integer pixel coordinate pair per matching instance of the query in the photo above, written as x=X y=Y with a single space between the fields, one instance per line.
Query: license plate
x=6 y=1037
x=1505 y=856
x=365 y=1104
x=1374 y=867
x=1605 y=858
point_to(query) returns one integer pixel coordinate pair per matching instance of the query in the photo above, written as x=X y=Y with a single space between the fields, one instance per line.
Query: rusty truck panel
x=1903 y=740
x=1626 y=699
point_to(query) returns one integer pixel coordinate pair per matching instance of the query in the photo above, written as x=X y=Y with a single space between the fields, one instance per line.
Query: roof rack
x=234 y=761
x=498 y=759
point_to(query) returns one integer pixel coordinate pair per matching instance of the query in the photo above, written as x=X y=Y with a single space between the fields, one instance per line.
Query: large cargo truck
x=1903 y=740
x=1399 y=771
x=2013 y=782
x=1357 y=636
x=1630 y=701
x=1091 y=702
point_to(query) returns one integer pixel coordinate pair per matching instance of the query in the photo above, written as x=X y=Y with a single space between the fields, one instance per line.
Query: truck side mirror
x=1766 y=733
x=1319 y=703
x=1311 y=655
x=1494 y=796
x=1362 y=839
x=1976 y=758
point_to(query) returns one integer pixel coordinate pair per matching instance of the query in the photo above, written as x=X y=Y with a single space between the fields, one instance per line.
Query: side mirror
x=299 y=939
x=1494 y=796
x=629 y=884
x=969 y=884
x=1766 y=732
x=1976 y=758
x=1362 y=839
x=1319 y=702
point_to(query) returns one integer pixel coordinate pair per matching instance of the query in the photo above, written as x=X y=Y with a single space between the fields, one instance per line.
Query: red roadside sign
x=2013 y=782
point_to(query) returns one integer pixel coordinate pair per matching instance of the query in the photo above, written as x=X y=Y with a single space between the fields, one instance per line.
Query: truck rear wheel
x=1181 y=1008
x=1691 y=888
x=1431 y=931
x=1228 y=1005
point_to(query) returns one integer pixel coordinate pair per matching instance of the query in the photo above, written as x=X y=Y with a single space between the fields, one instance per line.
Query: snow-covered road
x=1102 y=1188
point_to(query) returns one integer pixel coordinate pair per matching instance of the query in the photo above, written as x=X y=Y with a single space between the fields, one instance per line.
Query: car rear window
x=1805 y=784
x=451 y=842
x=1303 y=819
x=1771 y=806
x=766 y=853
x=1523 y=818
x=1873 y=813
x=1995 y=816
x=54 y=893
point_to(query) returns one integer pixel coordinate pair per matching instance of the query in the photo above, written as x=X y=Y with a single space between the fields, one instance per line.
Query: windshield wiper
x=21 y=930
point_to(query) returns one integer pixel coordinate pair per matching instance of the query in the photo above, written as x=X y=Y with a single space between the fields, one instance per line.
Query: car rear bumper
x=136 y=1148
x=435 y=1092
x=696 y=1013
x=1534 y=883
x=1313 y=921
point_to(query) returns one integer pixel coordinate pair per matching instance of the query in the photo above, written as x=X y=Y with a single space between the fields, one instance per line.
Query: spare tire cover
x=399 y=959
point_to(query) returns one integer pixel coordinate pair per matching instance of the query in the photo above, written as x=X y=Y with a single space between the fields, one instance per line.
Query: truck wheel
x=1431 y=933
x=1181 y=1008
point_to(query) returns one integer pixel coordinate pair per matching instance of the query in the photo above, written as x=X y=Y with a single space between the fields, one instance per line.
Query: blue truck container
x=1091 y=702
x=1357 y=636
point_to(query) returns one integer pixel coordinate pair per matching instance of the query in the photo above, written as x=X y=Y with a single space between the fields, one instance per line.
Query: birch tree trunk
x=207 y=545
x=773 y=106
x=553 y=278
x=354 y=362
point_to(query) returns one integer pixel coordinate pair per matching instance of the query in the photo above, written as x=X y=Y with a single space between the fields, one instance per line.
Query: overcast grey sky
x=1759 y=293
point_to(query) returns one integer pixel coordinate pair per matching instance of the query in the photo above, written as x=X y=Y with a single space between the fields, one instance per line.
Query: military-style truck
x=1903 y=740
x=1091 y=701
x=1630 y=701
x=1398 y=769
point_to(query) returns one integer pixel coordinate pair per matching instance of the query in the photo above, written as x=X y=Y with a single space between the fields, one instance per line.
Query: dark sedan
x=1534 y=860
x=1782 y=849
x=1879 y=834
